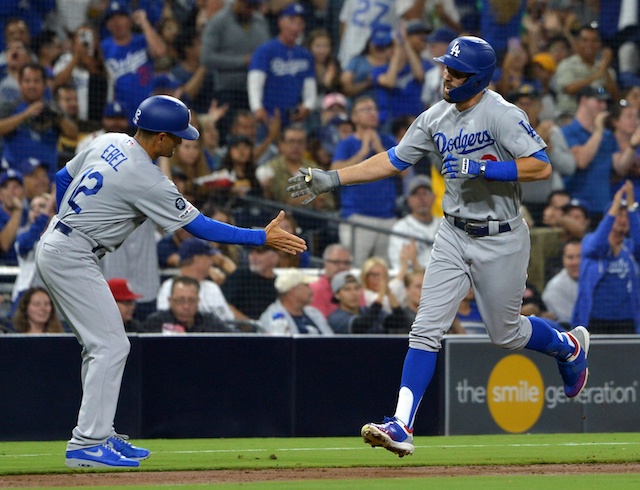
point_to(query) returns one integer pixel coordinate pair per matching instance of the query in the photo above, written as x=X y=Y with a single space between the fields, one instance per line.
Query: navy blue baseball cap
x=10 y=174
x=116 y=8
x=597 y=92
x=442 y=35
x=28 y=165
x=195 y=246
x=164 y=81
x=114 y=109
x=381 y=37
x=416 y=26
x=292 y=10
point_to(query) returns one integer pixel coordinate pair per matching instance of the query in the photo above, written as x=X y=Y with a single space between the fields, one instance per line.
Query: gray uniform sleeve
x=516 y=134
x=418 y=139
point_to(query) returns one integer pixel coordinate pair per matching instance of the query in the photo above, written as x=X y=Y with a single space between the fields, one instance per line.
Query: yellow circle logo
x=515 y=393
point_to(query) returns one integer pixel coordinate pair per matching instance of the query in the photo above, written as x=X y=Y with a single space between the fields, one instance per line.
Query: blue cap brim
x=191 y=133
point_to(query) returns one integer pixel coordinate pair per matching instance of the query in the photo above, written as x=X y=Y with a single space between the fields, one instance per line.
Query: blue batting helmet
x=470 y=54
x=162 y=113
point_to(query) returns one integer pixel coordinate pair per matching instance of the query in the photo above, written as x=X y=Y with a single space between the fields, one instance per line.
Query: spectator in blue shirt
x=372 y=204
x=281 y=73
x=609 y=281
x=11 y=214
x=32 y=129
x=593 y=146
x=399 y=83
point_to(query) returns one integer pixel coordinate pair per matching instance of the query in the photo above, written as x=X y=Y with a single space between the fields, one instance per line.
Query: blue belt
x=476 y=228
x=67 y=230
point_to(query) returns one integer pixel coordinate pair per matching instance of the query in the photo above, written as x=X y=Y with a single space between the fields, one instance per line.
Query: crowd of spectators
x=278 y=85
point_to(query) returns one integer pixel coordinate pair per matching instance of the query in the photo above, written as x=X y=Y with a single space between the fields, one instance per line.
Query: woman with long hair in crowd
x=36 y=313
x=190 y=158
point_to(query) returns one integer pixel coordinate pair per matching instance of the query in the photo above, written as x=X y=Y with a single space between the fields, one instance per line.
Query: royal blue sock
x=546 y=338
x=419 y=366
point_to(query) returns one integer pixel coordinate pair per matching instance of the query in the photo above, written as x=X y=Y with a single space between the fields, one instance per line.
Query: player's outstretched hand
x=455 y=168
x=313 y=182
x=283 y=240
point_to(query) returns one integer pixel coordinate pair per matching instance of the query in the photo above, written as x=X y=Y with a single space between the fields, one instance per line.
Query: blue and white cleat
x=128 y=450
x=101 y=456
x=391 y=435
x=575 y=371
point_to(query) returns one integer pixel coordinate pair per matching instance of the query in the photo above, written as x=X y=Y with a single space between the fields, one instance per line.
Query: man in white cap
x=420 y=224
x=290 y=313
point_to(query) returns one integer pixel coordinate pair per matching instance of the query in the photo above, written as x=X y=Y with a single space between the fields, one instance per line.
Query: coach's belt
x=479 y=228
x=65 y=229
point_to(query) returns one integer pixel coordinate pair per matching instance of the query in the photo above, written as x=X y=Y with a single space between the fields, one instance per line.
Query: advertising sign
x=492 y=391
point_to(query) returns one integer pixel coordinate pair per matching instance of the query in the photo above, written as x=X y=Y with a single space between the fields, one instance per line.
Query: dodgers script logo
x=463 y=143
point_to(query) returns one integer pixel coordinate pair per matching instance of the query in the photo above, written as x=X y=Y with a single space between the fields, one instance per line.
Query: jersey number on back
x=365 y=14
x=83 y=189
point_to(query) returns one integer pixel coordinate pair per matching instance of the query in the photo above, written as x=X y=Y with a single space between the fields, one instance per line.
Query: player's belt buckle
x=63 y=228
x=476 y=229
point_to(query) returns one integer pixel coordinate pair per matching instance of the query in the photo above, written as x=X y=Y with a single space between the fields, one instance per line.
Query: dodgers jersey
x=286 y=68
x=115 y=187
x=493 y=129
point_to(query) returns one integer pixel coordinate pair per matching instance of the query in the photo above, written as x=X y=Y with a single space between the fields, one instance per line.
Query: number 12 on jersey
x=83 y=189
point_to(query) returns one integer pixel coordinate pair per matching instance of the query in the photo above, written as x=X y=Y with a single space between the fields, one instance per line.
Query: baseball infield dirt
x=247 y=476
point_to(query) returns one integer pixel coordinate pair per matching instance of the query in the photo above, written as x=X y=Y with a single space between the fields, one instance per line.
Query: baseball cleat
x=128 y=450
x=391 y=435
x=101 y=456
x=574 y=371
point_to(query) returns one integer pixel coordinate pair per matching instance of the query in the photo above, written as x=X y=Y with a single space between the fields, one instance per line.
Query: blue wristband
x=502 y=171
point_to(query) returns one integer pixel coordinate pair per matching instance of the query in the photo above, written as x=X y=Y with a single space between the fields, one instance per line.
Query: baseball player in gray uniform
x=104 y=194
x=487 y=146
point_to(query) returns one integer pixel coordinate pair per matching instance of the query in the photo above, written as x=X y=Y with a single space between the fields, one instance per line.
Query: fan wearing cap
x=126 y=301
x=114 y=120
x=543 y=69
x=358 y=20
x=132 y=53
x=352 y=318
x=281 y=72
x=357 y=76
x=103 y=194
x=196 y=259
x=589 y=66
x=609 y=282
x=399 y=83
x=293 y=304
x=593 y=146
x=420 y=224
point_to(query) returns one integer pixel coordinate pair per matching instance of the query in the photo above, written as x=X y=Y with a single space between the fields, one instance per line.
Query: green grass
x=216 y=454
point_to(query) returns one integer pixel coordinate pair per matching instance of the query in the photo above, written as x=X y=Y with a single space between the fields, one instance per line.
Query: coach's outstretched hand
x=283 y=240
x=459 y=168
x=313 y=181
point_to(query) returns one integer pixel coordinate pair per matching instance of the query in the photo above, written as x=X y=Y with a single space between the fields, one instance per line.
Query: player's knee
x=425 y=339
x=122 y=348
